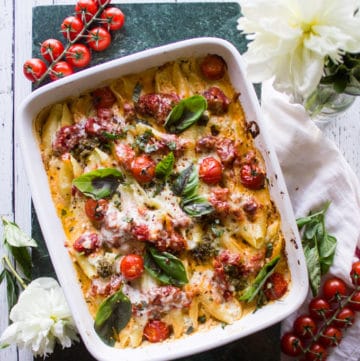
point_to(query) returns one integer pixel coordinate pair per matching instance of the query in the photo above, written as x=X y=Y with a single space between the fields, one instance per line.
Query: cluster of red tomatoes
x=329 y=316
x=88 y=29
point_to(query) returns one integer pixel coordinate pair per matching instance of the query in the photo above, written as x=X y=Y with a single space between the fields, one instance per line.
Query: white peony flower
x=40 y=319
x=292 y=38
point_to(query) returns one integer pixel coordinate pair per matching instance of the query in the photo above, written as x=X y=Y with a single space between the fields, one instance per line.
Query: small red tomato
x=319 y=308
x=275 y=286
x=210 y=170
x=103 y=97
x=316 y=353
x=344 y=318
x=99 y=39
x=213 y=67
x=143 y=168
x=60 y=70
x=86 y=243
x=305 y=326
x=355 y=301
x=86 y=9
x=96 y=209
x=51 y=49
x=104 y=2
x=71 y=27
x=34 y=68
x=355 y=273
x=334 y=289
x=112 y=18
x=78 y=55
x=132 y=266
x=124 y=154
x=252 y=177
x=291 y=344
x=330 y=336
x=156 y=331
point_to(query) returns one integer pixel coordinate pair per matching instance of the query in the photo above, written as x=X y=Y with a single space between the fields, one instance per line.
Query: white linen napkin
x=315 y=172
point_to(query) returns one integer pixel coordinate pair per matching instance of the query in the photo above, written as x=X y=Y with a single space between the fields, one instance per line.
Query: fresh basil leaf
x=327 y=252
x=181 y=181
x=252 y=291
x=112 y=316
x=15 y=237
x=185 y=113
x=99 y=183
x=165 y=166
x=197 y=206
x=313 y=266
x=169 y=268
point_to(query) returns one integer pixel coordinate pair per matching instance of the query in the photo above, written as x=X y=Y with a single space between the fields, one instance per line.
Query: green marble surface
x=148 y=25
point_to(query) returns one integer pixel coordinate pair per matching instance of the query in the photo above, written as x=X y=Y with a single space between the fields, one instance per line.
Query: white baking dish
x=52 y=228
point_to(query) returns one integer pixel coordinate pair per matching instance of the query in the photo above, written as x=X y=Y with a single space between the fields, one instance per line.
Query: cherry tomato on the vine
x=291 y=344
x=344 y=318
x=316 y=353
x=210 y=170
x=354 y=303
x=143 y=168
x=103 y=2
x=78 y=55
x=334 y=288
x=51 y=49
x=60 y=70
x=319 y=308
x=330 y=336
x=355 y=273
x=113 y=18
x=156 y=331
x=34 y=68
x=132 y=266
x=71 y=27
x=86 y=9
x=99 y=39
x=305 y=326
x=96 y=209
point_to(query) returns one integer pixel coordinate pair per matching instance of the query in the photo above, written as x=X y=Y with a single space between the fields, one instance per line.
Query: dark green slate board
x=148 y=25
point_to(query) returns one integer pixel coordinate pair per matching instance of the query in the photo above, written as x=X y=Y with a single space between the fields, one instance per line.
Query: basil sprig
x=319 y=246
x=253 y=290
x=186 y=186
x=112 y=316
x=165 y=267
x=99 y=183
x=165 y=166
x=185 y=113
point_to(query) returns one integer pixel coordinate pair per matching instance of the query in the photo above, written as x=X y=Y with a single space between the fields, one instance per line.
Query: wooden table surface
x=15 y=199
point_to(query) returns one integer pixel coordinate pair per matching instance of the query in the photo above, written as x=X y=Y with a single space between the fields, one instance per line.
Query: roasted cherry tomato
x=156 y=331
x=34 y=68
x=86 y=243
x=210 y=170
x=319 y=308
x=143 y=168
x=51 y=49
x=355 y=273
x=132 y=266
x=334 y=288
x=96 y=209
x=344 y=318
x=355 y=301
x=316 y=353
x=113 y=18
x=305 y=326
x=103 y=97
x=251 y=176
x=60 y=70
x=78 y=55
x=71 y=27
x=86 y=9
x=330 y=336
x=291 y=344
x=124 y=154
x=213 y=67
x=275 y=286
x=99 y=39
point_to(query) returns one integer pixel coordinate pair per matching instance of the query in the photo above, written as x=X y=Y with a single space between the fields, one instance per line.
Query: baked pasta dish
x=165 y=202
